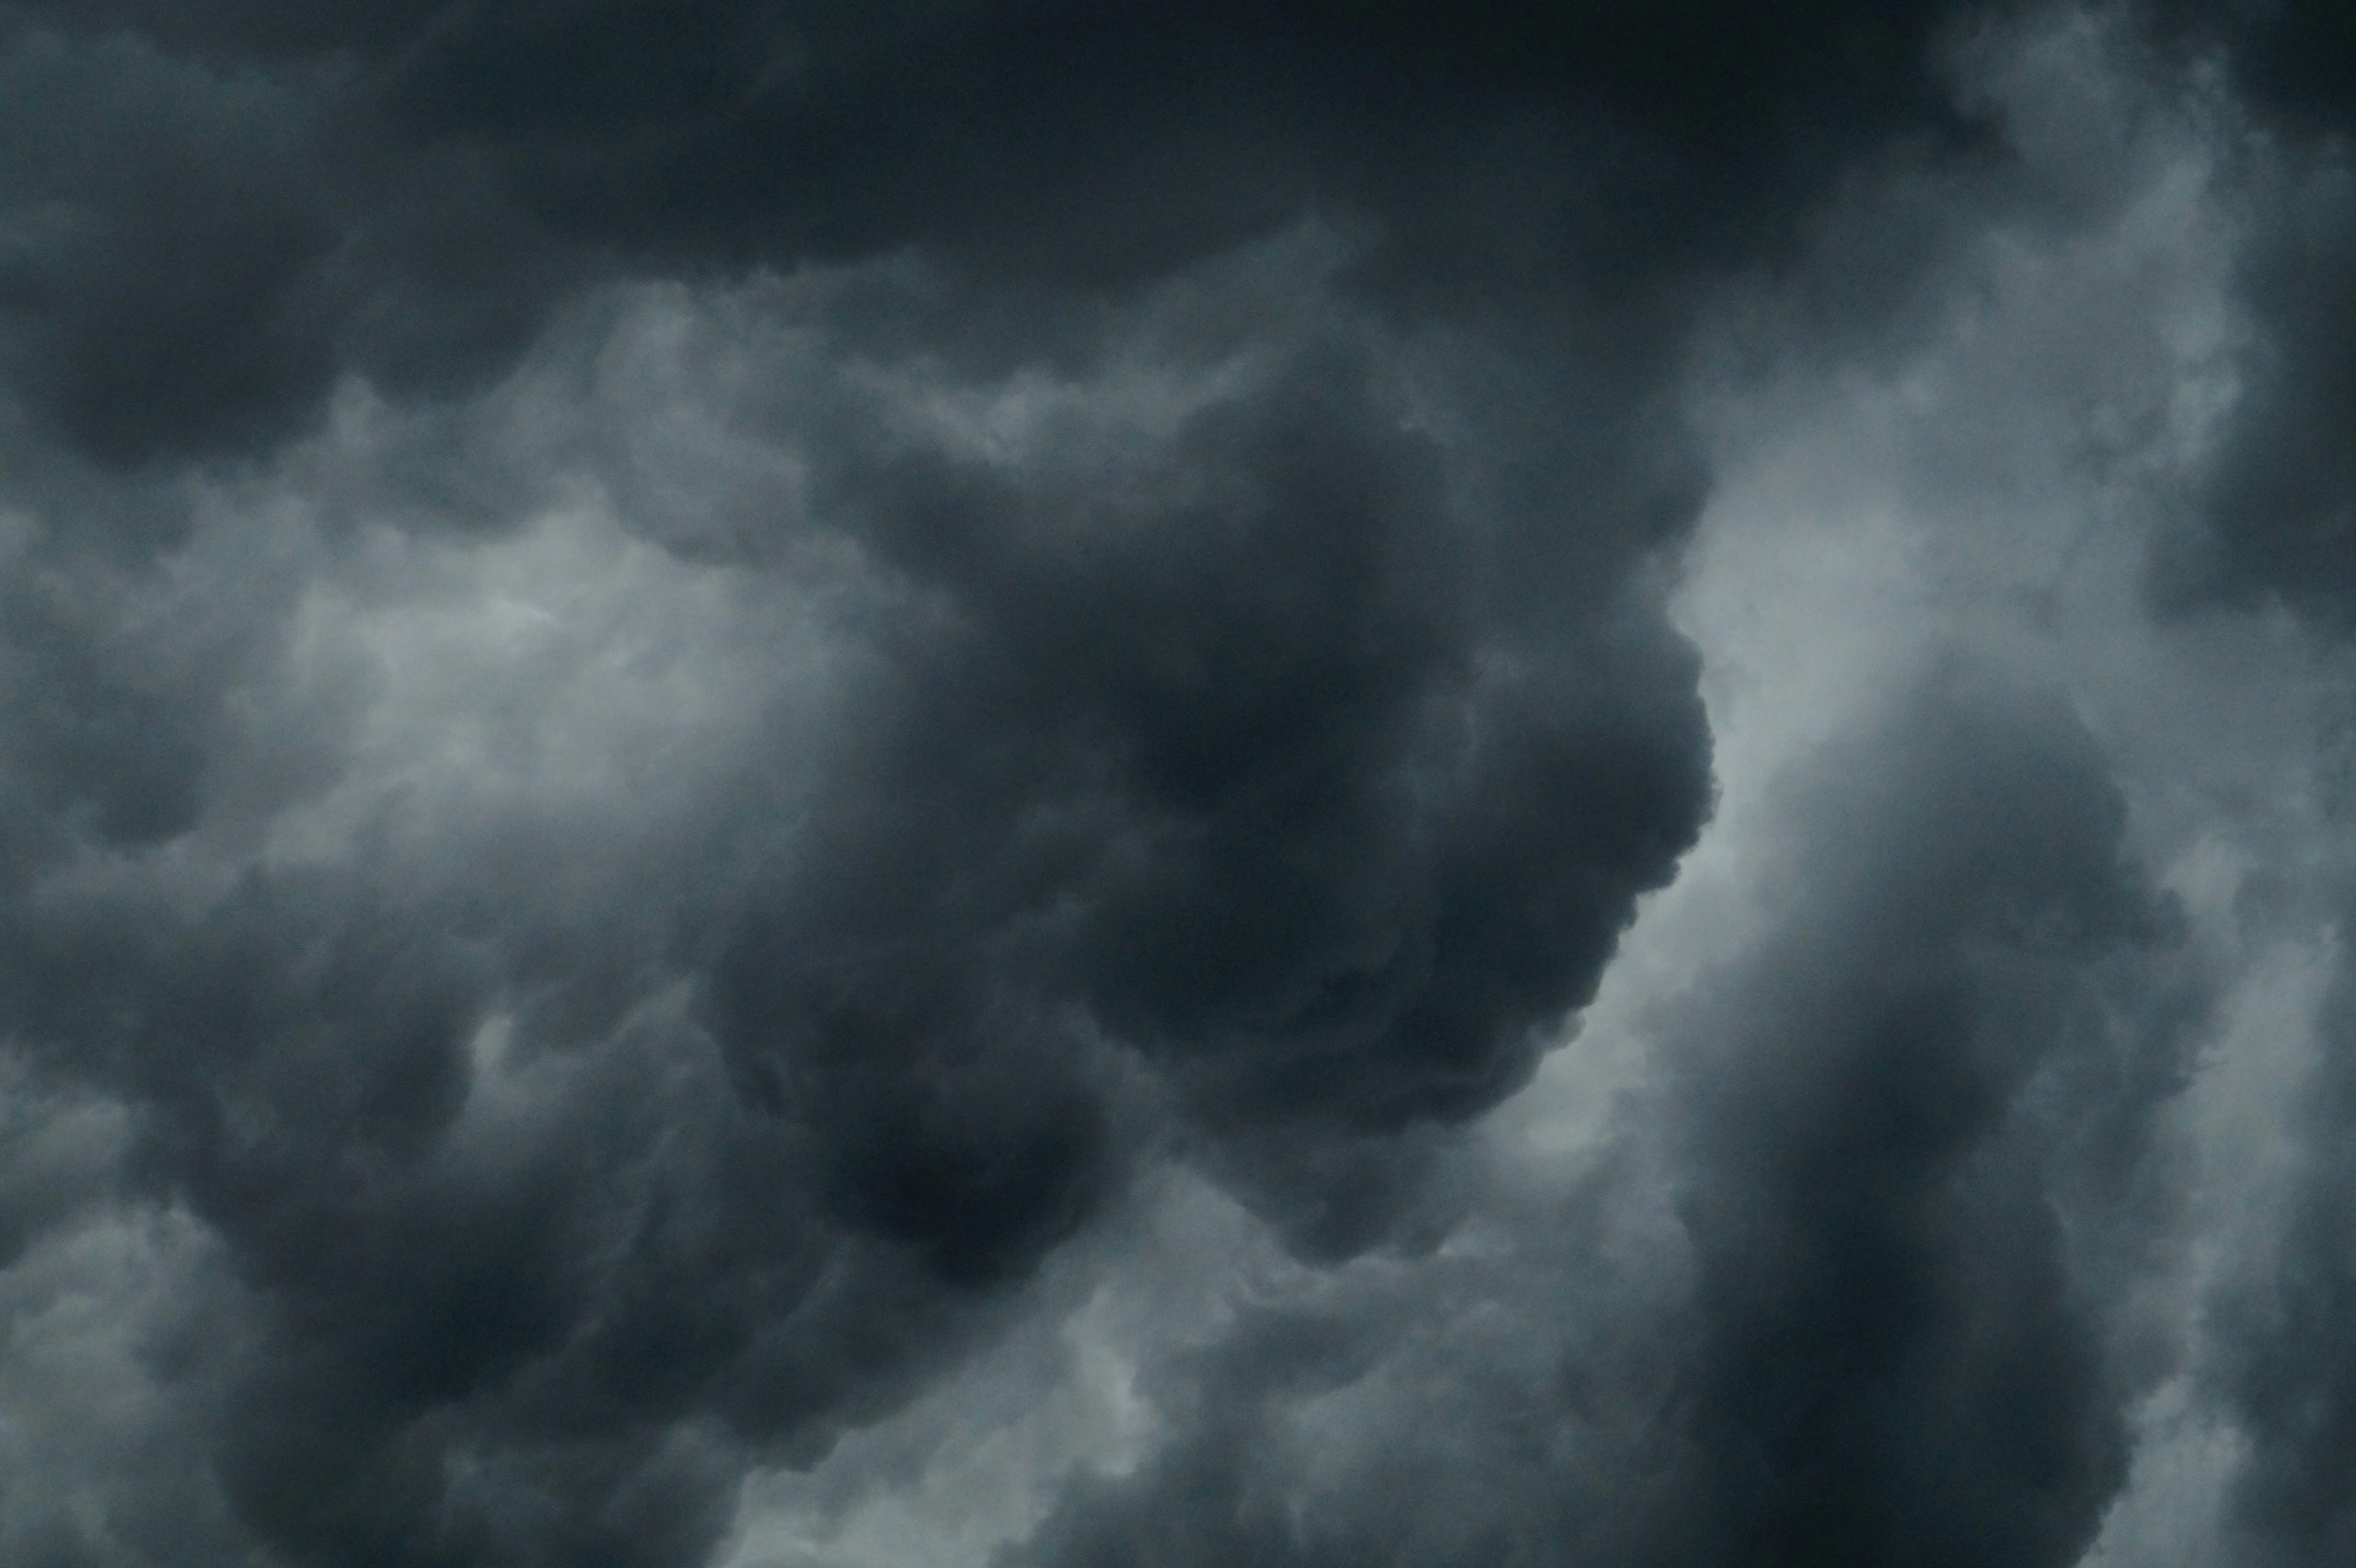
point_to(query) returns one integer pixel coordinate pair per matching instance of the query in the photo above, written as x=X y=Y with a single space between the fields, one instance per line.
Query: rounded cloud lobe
x=1871 y=1336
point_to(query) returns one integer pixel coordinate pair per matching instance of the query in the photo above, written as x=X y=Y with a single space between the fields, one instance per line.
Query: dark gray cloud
x=1324 y=786
x=1894 y=1126
x=1896 y=1137
x=224 y=207
x=2274 y=510
x=198 y=247
x=697 y=691
x=2283 y=1360
x=1242 y=749
x=2287 y=1362
x=2275 y=507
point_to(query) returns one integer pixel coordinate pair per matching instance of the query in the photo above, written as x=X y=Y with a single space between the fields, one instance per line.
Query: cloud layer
x=973 y=783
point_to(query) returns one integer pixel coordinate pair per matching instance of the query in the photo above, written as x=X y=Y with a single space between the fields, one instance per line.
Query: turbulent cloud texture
x=956 y=782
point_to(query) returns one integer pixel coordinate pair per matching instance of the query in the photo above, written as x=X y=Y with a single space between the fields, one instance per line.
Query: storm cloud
x=985 y=783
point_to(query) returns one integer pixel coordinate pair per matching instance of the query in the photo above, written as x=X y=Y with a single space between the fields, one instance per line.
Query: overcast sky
x=1030 y=784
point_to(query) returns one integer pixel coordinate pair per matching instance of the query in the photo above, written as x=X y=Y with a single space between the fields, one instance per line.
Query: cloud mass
x=958 y=782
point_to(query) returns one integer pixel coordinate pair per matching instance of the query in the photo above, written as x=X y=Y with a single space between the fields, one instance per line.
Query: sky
x=1013 y=784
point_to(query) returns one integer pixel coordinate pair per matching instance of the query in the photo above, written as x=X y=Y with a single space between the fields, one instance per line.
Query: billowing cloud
x=2274 y=507
x=222 y=209
x=1874 y=1334
x=2276 y=501
x=745 y=741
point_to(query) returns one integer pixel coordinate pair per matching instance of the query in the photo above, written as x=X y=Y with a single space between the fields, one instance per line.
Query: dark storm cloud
x=163 y=222
x=480 y=1307
x=2287 y=1361
x=1317 y=772
x=222 y=208
x=2274 y=512
x=196 y=248
x=2276 y=508
x=1250 y=757
x=2276 y=515
x=1902 y=1105
x=1905 y=1139
x=2283 y=1357
x=1149 y=646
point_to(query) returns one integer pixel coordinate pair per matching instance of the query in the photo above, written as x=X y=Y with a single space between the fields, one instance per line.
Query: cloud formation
x=1878 y=1337
x=745 y=741
x=255 y=201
